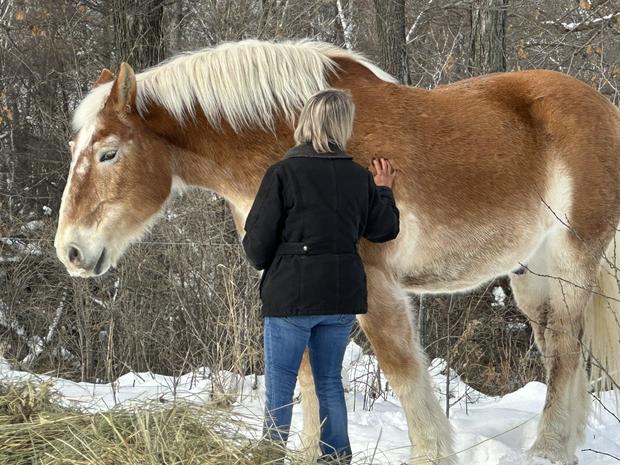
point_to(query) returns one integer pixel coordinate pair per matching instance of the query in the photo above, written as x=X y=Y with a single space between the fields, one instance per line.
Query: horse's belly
x=452 y=259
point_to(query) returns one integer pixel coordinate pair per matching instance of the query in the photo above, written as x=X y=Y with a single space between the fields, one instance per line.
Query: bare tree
x=487 y=39
x=139 y=31
x=390 y=19
x=178 y=32
x=345 y=22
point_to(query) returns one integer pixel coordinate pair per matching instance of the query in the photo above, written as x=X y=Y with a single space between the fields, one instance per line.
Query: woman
x=310 y=211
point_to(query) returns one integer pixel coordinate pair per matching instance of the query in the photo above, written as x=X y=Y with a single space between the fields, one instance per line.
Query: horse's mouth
x=99 y=264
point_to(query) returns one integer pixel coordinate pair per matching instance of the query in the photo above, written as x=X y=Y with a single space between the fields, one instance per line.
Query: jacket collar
x=306 y=150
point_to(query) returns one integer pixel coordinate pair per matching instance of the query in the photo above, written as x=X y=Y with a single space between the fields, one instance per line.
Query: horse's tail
x=602 y=325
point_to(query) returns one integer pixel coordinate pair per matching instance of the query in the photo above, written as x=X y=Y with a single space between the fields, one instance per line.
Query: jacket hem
x=306 y=312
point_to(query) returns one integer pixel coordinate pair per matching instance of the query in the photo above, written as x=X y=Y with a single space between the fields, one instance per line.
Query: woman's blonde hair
x=327 y=118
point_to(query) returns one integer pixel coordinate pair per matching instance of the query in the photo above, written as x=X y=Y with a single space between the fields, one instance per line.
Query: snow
x=499 y=295
x=21 y=247
x=572 y=26
x=489 y=430
x=10 y=323
x=33 y=226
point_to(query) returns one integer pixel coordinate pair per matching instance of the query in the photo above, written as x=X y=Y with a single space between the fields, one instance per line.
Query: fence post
x=423 y=323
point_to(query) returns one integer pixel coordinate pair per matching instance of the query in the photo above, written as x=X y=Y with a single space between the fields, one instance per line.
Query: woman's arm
x=263 y=225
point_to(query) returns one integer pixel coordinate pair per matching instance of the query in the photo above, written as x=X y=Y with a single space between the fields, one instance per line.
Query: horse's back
x=553 y=135
x=491 y=164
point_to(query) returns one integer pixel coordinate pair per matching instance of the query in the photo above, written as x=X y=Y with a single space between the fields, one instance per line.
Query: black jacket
x=308 y=215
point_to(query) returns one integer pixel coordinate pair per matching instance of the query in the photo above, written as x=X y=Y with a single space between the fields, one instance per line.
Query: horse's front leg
x=391 y=332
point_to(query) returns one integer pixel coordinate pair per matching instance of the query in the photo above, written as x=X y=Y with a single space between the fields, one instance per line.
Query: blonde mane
x=247 y=84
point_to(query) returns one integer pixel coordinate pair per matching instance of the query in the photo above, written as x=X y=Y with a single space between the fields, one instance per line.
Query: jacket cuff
x=385 y=190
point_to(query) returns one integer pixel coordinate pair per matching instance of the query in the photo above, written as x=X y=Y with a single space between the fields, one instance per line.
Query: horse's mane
x=247 y=84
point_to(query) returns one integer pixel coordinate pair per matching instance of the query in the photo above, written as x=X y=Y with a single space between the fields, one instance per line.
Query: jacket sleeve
x=383 y=220
x=263 y=225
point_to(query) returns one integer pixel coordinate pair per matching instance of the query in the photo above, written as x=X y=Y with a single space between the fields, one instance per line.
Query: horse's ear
x=104 y=77
x=122 y=97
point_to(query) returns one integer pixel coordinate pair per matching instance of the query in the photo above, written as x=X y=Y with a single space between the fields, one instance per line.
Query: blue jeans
x=286 y=338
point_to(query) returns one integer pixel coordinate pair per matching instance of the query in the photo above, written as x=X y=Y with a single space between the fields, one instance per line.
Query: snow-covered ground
x=490 y=430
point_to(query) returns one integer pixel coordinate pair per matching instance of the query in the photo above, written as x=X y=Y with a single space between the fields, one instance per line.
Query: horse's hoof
x=547 y=457
x=432 y=459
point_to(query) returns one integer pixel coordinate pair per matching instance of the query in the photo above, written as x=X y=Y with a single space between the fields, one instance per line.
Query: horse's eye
x=107 y=156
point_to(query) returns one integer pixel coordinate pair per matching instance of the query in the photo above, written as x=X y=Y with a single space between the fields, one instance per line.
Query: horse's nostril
x=74 y=255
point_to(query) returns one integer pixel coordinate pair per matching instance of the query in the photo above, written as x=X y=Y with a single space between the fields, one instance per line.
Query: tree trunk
x=139 y=32
x=178 y=34
x=488 y=36
x=266 y=12
x=344 y=23
x=390 y=19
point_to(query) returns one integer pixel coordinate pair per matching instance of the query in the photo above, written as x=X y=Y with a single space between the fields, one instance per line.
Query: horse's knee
x=538 y=319
x=391 y=334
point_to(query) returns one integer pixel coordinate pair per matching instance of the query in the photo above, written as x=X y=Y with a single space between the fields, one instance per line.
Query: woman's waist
x=316 y=248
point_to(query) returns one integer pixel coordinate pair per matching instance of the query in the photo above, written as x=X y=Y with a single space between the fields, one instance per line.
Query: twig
x=601 y=453
x=40 y=346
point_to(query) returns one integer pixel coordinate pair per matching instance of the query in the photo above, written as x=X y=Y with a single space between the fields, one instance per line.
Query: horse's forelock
x=86 y=113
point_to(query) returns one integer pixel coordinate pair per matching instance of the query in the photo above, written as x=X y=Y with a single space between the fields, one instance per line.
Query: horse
x=505 y=174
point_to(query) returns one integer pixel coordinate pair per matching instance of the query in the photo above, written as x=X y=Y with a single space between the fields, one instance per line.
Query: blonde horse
x=496 y=172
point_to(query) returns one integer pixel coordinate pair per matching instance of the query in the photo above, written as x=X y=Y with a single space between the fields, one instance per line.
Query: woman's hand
x=385 y=172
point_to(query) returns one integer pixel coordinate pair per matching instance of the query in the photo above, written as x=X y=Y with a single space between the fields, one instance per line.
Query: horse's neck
x=221 y=160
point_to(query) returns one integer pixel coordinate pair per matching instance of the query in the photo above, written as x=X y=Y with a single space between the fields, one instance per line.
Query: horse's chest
x=406 y=246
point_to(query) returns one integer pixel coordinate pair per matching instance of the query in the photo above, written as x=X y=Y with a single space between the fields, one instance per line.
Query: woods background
x=185 y=297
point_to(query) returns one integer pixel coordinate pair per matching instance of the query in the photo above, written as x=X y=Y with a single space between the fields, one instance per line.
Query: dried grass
x=34 y=429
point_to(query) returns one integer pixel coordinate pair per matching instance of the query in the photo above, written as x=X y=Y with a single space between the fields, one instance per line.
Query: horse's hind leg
x=565 y=294
x=391 y=332
x=530 y=287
